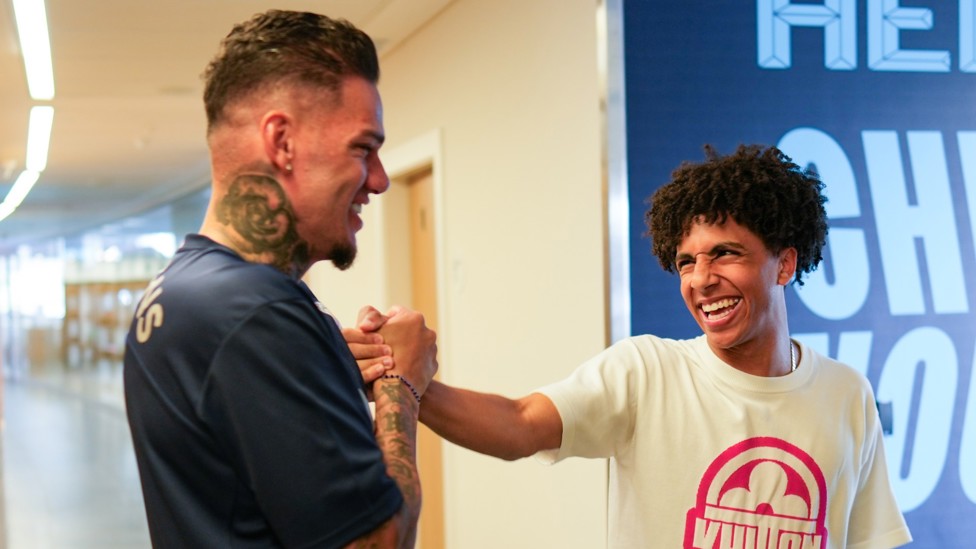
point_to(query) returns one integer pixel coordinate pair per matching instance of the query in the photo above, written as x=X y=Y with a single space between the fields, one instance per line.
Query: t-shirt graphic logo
x=761 y=493
x=149 y=314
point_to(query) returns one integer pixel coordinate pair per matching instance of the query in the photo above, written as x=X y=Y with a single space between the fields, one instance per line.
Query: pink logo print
x=762 y=493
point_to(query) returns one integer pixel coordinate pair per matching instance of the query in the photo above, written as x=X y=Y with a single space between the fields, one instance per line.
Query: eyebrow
x=379 y=137
x=727 y=244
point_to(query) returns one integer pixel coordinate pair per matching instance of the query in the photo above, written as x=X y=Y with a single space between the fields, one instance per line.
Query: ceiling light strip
x=35 y=45
x=39 y=137
x=17 y=193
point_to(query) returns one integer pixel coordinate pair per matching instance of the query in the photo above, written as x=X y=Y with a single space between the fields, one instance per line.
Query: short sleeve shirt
x=704 y=455
x=247 y=411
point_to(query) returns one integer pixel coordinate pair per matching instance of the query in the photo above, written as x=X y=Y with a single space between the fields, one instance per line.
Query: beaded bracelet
x=405 y=382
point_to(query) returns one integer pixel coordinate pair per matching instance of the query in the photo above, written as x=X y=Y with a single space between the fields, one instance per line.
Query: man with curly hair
x=741 y=437
x=249 y=418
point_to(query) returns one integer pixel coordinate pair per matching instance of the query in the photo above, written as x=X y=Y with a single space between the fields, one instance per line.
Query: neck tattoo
x=792 y=358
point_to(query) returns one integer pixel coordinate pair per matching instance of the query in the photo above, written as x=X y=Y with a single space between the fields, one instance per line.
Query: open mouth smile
x=719 y=309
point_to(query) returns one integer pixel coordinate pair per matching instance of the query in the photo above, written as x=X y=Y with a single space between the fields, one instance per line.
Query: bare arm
x=396 y=434
x=491 y=424
x=396 y=423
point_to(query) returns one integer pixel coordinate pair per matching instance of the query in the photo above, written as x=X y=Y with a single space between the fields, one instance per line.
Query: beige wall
x=507 y=92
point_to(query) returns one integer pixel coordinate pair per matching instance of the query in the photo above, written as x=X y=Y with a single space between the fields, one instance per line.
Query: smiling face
x=336 y=167
x=733 y=287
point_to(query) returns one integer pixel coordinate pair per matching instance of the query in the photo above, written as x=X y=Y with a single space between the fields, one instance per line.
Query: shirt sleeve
x=596 y=404
x=285 y=400
x=875 y=520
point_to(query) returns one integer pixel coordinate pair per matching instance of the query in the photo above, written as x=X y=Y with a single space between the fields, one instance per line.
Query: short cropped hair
x=758 y=187
x=285 y=47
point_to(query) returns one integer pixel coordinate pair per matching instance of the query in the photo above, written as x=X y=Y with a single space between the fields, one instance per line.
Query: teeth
x=357 y=208
x=712 y=307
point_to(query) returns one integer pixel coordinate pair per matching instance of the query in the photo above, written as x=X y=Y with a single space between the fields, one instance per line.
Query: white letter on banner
x=899 y=223
x=775 y=19
x=886 y=19
x=967 y=35
x=967 y=157
x=967 y=445
x=846 y=248
x=914 y=481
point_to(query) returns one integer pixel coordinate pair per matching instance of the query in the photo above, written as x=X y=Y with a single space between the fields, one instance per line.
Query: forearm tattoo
x=396 y=434
x=260 y=214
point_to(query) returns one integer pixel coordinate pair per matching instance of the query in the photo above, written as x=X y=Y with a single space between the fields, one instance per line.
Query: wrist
x=406 y=383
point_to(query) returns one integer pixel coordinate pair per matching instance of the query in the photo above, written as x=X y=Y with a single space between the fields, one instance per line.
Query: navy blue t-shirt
x=247 y=411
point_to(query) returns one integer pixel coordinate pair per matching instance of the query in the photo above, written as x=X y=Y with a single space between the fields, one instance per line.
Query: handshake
x=396 y=344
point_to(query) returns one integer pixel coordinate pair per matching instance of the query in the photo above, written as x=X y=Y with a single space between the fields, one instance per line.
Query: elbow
x=538 y=428
x=527 y=447
x=513 y=455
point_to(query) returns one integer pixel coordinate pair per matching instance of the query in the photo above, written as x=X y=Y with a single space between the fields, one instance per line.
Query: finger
x=355 y=335
x=372 y=372
x=370 y=319
x=366 y=351
x=364 y=311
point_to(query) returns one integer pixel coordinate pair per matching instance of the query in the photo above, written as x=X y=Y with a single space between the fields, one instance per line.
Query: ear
x=277 y=134
x=787 y=266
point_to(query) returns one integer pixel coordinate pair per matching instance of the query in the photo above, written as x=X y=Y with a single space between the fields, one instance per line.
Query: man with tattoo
x=248 y=412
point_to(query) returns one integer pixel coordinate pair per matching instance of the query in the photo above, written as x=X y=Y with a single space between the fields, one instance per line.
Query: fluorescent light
x=21 y=187
x=39 y=137
x=5 y=211
x=18 y=192
x=35 y=45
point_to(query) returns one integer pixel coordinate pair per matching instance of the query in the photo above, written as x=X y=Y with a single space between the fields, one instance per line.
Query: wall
x=512 y=89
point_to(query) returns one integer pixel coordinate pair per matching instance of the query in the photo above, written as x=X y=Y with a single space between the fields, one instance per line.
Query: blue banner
x=880 y=97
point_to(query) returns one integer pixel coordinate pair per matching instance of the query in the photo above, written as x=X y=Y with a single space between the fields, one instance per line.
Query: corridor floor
x=69 y=475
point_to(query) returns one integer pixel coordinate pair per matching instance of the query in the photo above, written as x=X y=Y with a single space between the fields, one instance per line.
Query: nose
x=377 y=181
x=703 y=276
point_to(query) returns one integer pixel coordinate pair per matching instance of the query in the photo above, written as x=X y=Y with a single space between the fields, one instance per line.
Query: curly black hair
x=758 y=187
x=286 y=46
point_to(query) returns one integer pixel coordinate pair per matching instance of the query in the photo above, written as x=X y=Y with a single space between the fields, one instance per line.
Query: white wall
x=511 y=89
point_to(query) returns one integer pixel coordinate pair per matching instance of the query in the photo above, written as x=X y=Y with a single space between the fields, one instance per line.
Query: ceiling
x=129 y=126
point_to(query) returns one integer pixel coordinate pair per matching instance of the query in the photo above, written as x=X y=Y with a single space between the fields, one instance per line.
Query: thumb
x=370 y=319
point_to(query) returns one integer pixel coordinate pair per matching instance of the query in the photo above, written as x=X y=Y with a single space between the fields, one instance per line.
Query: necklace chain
x=792 y=358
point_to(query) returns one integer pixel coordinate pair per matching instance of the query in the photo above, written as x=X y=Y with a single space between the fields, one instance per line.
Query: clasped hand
x=396 y=343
